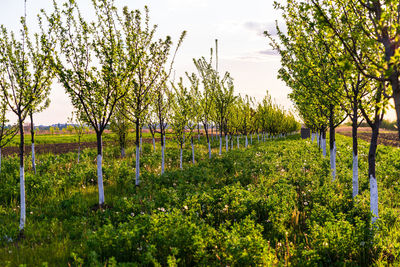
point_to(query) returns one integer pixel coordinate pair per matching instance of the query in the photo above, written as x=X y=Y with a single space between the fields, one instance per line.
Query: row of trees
x=117 y=73
x=340 y=58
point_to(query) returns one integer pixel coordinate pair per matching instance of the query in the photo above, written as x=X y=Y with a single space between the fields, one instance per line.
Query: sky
x=238 y=25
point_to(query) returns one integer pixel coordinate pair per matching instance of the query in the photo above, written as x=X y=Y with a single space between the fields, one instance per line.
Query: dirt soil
x=61 y=148
x=386 y=137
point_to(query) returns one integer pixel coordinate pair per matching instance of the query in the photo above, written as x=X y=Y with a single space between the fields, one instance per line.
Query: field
x=386 y=137
x=272 y=203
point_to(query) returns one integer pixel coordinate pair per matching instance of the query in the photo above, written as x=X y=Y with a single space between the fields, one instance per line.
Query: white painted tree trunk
x=22 y=219
x=355 y=175
x=100 y=179
x=318 y=139
x=180 y=159
x=312 y=137
x=137 y=164
x=258 y=138
x=246 y=142
x=374 y=198
x=193 y=152
x=154 y=144
x=220 y=145
x=226 y=143
x=79 y=152
x=162 y=158
x=238 y=145
x=323 y=146
x=140 y=147
x=333 y=161
x=33 y=158
x=209 y=150
x=232 y=143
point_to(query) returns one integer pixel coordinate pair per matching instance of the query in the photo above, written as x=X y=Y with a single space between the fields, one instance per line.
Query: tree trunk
x=192 y=150
x=332 y=142
x=355 y=151
x=226 y=143
x=323 y=141
x=251 y=139
x=258 y=138
x=33 y=143
x=0 y=159
x=246 y=142
x=122 y=152
x=137 y=143
x=154 y=144
x=237 y=138
x=162 y=154
x=371 y=172
x=99 y=168
x=22 y=219
x=180 y=158
x=220 y=144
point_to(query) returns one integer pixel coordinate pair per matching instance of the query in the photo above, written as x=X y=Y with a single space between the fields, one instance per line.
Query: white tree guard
x=333 y=161
x=220 y=145
x=180 y=159
x=22 y=218
x=162 y=158
x=33 y=157
x=374 y=198
x=209 y=150
x=137 y=182
x=355 y=175
x=192 y=152
x=100 y=179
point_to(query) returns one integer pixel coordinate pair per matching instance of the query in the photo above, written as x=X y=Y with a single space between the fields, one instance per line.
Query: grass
x=273 y=203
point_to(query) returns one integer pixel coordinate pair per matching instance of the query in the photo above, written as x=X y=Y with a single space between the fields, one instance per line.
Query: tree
x=152 y=55
x=120 y=125
x=182 y=111
x=93 y=65
x=25 y=74
x=374 y=22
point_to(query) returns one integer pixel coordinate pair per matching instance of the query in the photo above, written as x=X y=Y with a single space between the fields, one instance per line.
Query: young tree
x=120 y=125
x=149 y=76
x=181 y=113
x=92 y=64
x=25 y=75
x=42 y=102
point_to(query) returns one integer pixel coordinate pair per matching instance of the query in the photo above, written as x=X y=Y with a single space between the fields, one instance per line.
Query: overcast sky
x=238 y=26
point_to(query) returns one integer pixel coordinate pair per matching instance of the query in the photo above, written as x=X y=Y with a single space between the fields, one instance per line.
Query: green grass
x=273 y=203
